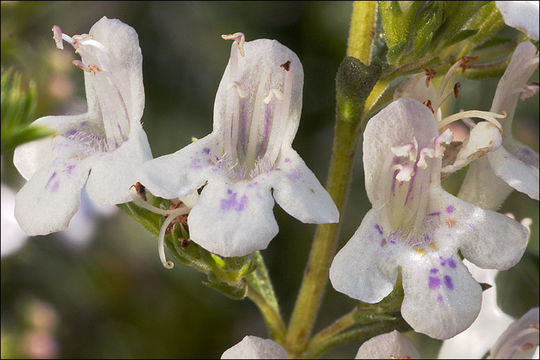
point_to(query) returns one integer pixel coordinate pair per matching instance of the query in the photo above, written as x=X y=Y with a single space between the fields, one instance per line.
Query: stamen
x=465 y=62
x=425 y=153
x=486 y=115
x=428 y=104
x=528 y=91
x=405 y=173
x=139 y=202
x=442 y=99
x=456 y=89
x=57 y=36
x=239 y=38
x=429 y=73
x=88 y=68
x=273 y=93
x=161 y=238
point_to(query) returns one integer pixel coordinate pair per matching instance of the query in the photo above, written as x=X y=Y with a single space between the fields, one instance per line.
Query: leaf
x=460 y=36
x=260 y=281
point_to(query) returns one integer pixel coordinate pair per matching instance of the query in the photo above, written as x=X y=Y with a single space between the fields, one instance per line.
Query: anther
x=141 y=190
x=273 y=93
x=239 y=38
x=286 y=65
x=429 y=73
x=428 y=104
x=456 y=89
x=465 y=61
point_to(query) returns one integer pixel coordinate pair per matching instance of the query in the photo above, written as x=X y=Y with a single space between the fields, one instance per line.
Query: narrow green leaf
x=460 y=36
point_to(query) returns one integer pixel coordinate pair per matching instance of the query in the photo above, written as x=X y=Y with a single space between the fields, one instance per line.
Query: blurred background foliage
x=109 y=296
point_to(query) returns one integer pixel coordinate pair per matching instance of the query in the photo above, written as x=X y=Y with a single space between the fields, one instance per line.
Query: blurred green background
x=111 y=297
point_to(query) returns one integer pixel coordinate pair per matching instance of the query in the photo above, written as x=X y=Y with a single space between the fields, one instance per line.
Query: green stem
x=361 y=32
x=272 y=318
x=353 y=84
x=357 y=335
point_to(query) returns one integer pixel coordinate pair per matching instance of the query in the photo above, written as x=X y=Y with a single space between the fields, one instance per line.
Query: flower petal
x=124 y=62
x=520 y=340
x=486 y=238
x=114 y=172
x=180 y=173
x=12 y=235
x=253 y=347
x=29 y=157
x=522 y=15
x=49 y=199
x=365 y=268
x=441 y=297
x=298 y=192
x=474 y=342
x=392 y=345
x=233 y=218
x=520 y=172
x=481 y=187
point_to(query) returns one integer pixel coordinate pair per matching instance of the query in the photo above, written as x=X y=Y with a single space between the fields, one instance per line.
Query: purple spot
x=383 y=242
x=70 y=168
x=436 y=213
x=294 y=175
x=72 y=132
x=426 y=238
x=450 y=209
x=232 y=203
x=434 y=282
x=448 y=282
x=451 y=263
x=50 y=179
x=253 y=184
x=439 y=298
x=83 y=123
x=55 y=186
x=206 y=151
x=287 y=160
x=392 y=242
x=434 y=270
x=378 y=229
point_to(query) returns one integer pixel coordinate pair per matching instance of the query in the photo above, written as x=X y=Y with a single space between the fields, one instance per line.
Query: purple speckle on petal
x=55 y=186
x=383 y=242
x=436 y=213
x=50 y=179
x=448 y=282
x=294 y=175
x=72 y=132
x=450 y=209
x=451 y=263
x=70 y=168
x=439 y=298
x=195 y=163
x=434 y=282
x=83 y=123
x=206 y=151
x=287 y=160
x=232 y=203
x=434 y=270
x=379 y=229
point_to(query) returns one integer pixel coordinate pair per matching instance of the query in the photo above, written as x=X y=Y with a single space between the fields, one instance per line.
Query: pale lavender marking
x=439 y=298
x=195 y=163
x=294 y=175
x=378 y=229
x=243 y=124
x=436 y=213
x=83 y=123
x=55 y=186
x=287 y=160
x=392 y=241
x=450 y=209
x=50 y=179
x=434 y=270
x=70 y=169
x=448 y=282
x=229 y=191
x=451 y=263
x=232 y=202
x=434 y=282
x=252 y=184
x=206 y=151
x=72 y=132
x=411 y=185
x=427 y=238
x=528 y=157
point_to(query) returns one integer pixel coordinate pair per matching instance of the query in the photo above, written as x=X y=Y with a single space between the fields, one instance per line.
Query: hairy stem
x=272 y=317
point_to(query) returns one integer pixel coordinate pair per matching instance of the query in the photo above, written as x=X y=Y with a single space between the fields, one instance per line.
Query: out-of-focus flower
x=253 y=347
x=12 y=235
x=100 y=148
x=417 y=226
x=514 y=165
x=520 y=340
x=392 y=345
x=249 y=153
x=522 y=15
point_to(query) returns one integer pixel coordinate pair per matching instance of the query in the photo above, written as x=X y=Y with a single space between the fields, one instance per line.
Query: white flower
x=417 y=226
x=392 y=345
x=253 y=347
x=13 y=238
x=99 y=148
x=520 y=340
x=522 y=15
x=490 y=179
x=249 y=153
